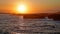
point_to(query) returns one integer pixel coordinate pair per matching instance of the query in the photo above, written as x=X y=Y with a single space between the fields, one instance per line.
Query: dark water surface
x=12 y=24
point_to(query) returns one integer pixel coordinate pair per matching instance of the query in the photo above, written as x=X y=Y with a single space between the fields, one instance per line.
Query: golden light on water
x=21 y=9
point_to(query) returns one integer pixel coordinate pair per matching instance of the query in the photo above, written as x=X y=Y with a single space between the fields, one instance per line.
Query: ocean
x=13 y=24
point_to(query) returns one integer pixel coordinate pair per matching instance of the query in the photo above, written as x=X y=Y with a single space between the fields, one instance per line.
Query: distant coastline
x=54 y=16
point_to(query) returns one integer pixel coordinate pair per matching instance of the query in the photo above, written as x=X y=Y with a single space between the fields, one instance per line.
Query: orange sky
x=33 y=6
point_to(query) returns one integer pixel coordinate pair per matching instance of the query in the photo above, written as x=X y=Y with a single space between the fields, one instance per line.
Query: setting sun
x=21 y=8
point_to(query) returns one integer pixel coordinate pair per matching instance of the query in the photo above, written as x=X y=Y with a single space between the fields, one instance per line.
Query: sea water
x=13 y=24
